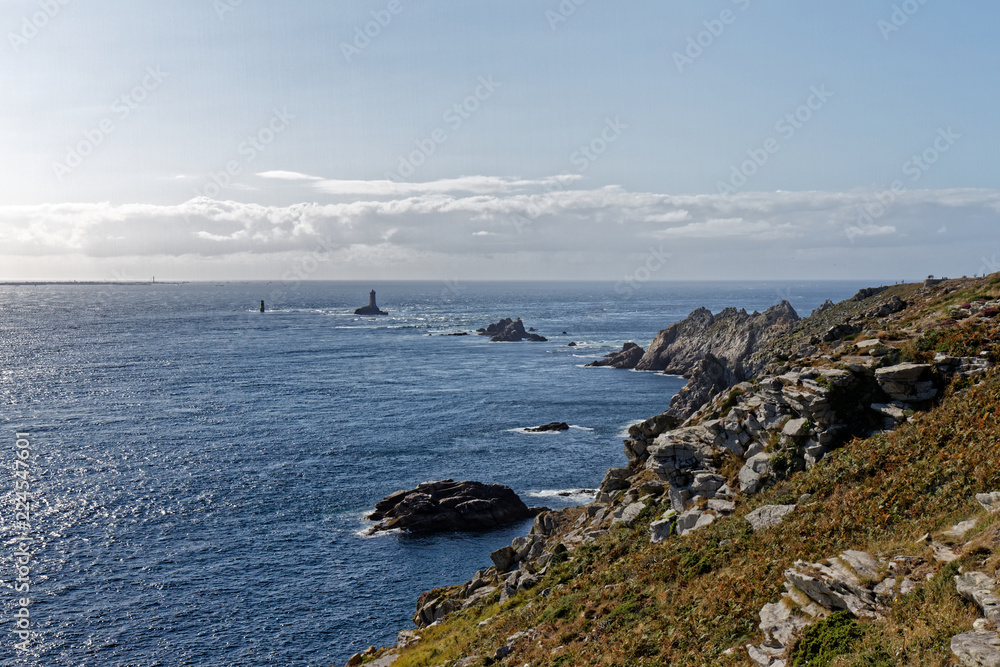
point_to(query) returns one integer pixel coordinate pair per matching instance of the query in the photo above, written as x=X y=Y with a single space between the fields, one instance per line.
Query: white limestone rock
x=989 y=501
x=980 y=648
x=768 y=516
x=753 y=474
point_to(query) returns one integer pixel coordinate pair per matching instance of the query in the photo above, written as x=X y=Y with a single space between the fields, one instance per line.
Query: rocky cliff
x=824 y=505
x=714 y=352
x=731 y=336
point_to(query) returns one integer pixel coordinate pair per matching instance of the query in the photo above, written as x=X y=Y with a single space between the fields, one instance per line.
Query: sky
x=476 y=140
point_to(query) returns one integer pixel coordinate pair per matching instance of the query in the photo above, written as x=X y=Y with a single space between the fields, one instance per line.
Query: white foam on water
x=576 y=495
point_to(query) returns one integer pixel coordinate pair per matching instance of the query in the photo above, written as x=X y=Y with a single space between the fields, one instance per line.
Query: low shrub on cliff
x=830 y=638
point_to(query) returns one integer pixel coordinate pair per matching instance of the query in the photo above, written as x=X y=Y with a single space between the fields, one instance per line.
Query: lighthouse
x=372 y=307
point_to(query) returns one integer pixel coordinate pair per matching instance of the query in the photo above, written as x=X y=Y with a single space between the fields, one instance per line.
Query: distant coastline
x=91 y=282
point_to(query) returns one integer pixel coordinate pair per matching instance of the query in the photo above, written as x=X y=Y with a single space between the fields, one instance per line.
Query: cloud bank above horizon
x=492 y=228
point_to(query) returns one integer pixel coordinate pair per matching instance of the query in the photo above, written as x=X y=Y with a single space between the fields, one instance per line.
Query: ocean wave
x=365 y=535
x=579 y=495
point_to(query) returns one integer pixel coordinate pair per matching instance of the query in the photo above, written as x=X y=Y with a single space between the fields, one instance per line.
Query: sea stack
x=371 y=308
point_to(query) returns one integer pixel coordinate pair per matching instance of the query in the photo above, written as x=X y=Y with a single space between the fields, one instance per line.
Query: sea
x=197 y=473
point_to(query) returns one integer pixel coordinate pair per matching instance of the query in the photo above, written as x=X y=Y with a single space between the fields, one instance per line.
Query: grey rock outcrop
x=980 y=648
x=980 y=588
x=709 y=377
x=869 y=292
x=827 y=305
x=448 y=505
x=715 y=352
x=910 y=383
x=630 y=513
x=891 y=307
x=661 y=529
x=989 y=501
x=627 y=358
x=813 y=590
x=768 y=516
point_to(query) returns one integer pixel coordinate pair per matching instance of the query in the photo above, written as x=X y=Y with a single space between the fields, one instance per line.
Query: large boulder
x=448 y=505
x=755 y=473
x=628 y=357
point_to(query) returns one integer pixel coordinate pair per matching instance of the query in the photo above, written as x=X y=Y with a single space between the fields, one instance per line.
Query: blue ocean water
x=201 y=470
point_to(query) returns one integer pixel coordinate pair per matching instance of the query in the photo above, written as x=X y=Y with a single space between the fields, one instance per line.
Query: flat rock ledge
x=449 y=506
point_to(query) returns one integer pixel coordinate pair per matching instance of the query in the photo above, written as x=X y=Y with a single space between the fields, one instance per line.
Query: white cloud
x=473 y=184
x=728 y=228
x=288 y=176
x=679 y=215
x=872 y=230
x=546 y=219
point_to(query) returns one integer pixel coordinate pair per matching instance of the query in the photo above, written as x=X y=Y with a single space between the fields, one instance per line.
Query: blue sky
x=228 y=139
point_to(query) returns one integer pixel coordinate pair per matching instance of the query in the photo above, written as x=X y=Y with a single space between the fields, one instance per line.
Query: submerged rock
x=448 y=505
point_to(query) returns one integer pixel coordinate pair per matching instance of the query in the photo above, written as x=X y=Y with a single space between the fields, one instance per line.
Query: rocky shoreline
x=769 y=395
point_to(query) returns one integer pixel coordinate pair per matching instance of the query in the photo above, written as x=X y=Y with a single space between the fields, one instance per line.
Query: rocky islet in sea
x=450 y=506
x=510 y=331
